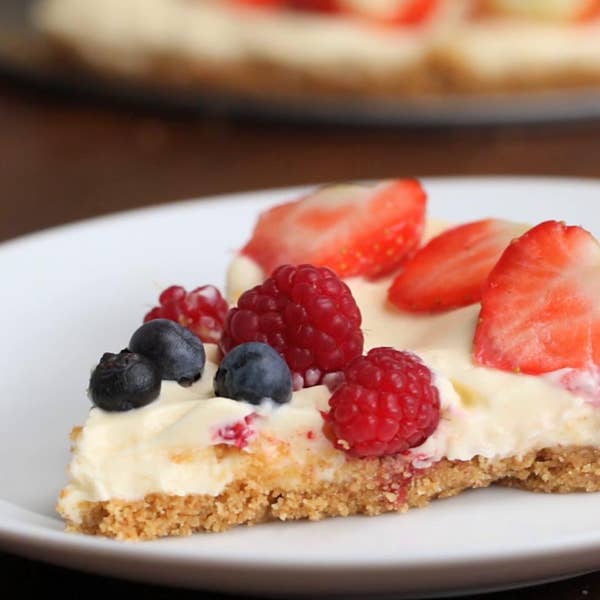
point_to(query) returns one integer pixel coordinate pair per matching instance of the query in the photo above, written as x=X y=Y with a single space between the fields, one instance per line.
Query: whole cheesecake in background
x=413 y=359
x=296 y=48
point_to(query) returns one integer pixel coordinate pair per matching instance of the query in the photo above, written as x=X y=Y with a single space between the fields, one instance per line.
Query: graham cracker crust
x=361 y=486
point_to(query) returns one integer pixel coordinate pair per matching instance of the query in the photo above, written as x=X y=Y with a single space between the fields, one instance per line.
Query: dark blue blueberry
x=176 y=351
x=124 y=381
x=253 y=372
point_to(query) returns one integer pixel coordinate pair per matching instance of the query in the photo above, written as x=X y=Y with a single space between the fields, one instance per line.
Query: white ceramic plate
x=71 y=293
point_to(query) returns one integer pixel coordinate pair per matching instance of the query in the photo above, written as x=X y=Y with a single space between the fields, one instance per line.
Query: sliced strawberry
x=400 y=12
x=540 y=307
x=353 y=229
x=590 y=11
x=413 y=12
x=449 y=272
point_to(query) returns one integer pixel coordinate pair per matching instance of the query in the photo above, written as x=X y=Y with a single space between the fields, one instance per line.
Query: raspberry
x=307 y=314
x=387 y=405
x=202 y=310
x=238 y=434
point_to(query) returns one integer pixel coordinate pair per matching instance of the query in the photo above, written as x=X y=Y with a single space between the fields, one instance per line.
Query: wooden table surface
x=63 y=159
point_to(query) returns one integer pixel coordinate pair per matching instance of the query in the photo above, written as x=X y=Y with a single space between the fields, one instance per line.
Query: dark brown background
x=63 y=159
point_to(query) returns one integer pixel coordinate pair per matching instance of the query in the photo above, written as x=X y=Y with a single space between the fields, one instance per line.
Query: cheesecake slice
x=193 y=462
x=381 y=410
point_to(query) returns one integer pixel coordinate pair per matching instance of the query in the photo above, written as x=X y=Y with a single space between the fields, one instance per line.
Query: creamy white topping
x=506 y=48
x=243 y=273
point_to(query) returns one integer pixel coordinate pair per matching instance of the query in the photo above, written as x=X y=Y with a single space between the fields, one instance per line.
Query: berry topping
x=352 y=229
x=387 y=405
x=449 y=271
x=322 y=6
x=400 y=12
x=124 y=381
x=589 y=11
x=254 y=372
x=540 y=307
x=415 y=11
x=202 y=310
x=175 y=350
x=238 y=434
x=307 y=314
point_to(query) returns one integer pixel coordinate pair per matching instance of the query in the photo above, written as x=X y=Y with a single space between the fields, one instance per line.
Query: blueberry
x=124 y=381
x=253 y=372
x=176 y=351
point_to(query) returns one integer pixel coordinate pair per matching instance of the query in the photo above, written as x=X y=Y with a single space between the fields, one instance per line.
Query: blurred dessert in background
x=508 y=45
x=372 y=48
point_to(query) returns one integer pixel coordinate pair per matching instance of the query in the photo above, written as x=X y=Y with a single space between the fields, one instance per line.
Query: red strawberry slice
x=400 y=12
x=449 y=272
x=540 y=307
x=414 y=12
x=589 y=11
x=352 y=229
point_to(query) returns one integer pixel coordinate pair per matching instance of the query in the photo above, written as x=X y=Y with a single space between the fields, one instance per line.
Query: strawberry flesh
x=590 y=11
x=414 y=12
x=449 y=272
x=541 y=304
x=352 y=229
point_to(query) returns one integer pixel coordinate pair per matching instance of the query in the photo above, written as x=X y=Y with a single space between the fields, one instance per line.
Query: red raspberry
x=387 y=405
x=307 y=314
x=238 y=434
x=202 y=310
